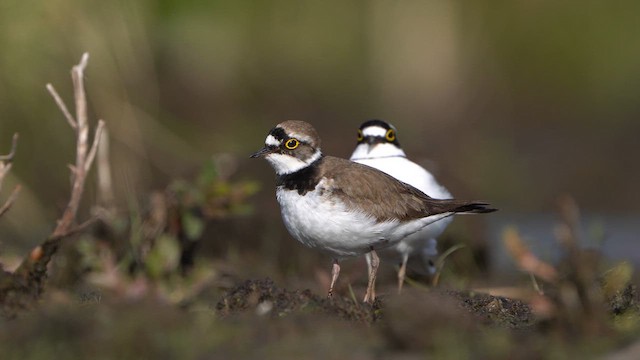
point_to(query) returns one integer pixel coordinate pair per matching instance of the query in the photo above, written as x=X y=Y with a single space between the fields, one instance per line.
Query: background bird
x=378 y=147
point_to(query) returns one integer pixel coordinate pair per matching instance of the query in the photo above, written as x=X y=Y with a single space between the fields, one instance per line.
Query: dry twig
x=10 y=200
x=62 y=106
x=5 y=160
x=83 y=160
x=12 y=153
x=33 y=269
x=4 y=170
x=5 y=166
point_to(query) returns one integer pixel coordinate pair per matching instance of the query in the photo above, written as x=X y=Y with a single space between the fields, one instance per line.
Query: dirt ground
x=265 y=297
x=259 y=319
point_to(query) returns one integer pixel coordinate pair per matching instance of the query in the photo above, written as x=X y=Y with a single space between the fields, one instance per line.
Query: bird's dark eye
x=391 y=135
x=291 y=144
x=360 y=135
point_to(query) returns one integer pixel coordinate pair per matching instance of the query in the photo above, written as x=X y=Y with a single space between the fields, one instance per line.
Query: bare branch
x=94 y=147
x=77 y=75
x=11 y=154
x=62 y=106
x=34 y=268
x=82 y=134
x=10 y=200
x=75 y=229
x=4 y=169
x=5 y=160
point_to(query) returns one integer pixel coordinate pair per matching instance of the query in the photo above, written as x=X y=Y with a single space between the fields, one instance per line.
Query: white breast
x=319 y=220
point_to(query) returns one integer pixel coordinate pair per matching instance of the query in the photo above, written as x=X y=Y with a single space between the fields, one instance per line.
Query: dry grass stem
x=103 y=169
x=10 y=200
x=440 y=262
x=525 y=259
x=567 y=231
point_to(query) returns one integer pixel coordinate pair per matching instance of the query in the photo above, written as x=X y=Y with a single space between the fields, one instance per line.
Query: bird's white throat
x=366 y=151
x=285 y=164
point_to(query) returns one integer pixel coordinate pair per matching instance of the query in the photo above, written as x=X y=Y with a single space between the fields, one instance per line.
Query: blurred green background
x=515 y=102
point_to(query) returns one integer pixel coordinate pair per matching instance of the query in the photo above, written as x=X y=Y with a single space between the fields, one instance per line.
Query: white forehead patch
x=374 y=131
x=272 y=141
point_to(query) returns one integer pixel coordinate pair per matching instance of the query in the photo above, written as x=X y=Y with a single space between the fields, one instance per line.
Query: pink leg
x=335 y=271
x=402 y=272
x=370 y=295
x=367 y=256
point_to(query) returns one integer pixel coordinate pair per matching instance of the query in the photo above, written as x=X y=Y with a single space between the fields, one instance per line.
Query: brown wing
x=383 y=196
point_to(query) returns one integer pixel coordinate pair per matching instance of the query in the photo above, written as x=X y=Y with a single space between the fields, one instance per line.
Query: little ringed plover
x=344 y=208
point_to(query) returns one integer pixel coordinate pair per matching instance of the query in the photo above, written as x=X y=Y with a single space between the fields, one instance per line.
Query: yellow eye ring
x=291 y=144
x=360 y=135
x=391 y=135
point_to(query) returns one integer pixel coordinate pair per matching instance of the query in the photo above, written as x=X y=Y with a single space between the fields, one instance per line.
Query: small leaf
x=207 y=175
x=250 y=187
x=163 y=257
x=193 y=226
x=617 y=278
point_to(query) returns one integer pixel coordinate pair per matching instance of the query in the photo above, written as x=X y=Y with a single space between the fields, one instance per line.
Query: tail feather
x=475 y=208
x=459 y=206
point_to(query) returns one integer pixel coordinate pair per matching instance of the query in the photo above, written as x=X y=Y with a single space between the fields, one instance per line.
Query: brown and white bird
x=344 y=208
x=378 y=147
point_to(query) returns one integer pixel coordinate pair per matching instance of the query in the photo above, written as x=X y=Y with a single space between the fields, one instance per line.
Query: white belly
x=320 y=222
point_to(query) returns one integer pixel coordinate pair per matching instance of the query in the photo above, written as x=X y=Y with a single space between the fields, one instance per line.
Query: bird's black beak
x=371 y=142
x=262 y=152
